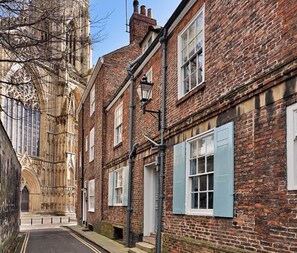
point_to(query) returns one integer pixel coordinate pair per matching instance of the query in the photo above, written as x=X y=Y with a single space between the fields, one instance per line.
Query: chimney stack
x=135 y=6
x=143 y=10
x=149 y=12
x=139 y=22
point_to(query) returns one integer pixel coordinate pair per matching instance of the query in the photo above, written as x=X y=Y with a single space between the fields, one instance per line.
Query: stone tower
x=43 y=128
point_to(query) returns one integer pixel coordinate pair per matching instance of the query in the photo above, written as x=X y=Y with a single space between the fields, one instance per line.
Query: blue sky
x=114 y=33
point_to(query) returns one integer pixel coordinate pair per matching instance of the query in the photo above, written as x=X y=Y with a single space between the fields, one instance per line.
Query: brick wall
x=250 y=78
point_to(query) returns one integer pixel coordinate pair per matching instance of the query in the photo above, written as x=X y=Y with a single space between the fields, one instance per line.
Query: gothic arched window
x=20 y=114
x=71 y=43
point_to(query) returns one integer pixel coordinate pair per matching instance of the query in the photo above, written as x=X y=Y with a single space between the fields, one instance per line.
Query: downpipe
x=132 y=150
x=162 y=147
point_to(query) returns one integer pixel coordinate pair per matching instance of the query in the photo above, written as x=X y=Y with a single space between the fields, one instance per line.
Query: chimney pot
x=149 y=12
x=135 y=6
x=143 y=10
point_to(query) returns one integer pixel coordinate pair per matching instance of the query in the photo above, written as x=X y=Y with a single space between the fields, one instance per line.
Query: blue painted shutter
x=125 y=185
x=223 y=171
x=179 y=178
x=110 y=188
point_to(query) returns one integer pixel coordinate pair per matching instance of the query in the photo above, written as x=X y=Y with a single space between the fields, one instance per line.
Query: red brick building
x=224 y=80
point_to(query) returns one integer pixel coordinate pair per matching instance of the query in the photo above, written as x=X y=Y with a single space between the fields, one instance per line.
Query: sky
x=113 y=33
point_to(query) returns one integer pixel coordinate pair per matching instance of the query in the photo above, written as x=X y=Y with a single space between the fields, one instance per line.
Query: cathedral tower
x=38 y=112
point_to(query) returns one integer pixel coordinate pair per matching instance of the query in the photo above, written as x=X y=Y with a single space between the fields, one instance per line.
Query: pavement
x=109 y=245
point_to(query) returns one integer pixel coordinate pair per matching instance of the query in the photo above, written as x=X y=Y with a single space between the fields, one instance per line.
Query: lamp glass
x=146 y=89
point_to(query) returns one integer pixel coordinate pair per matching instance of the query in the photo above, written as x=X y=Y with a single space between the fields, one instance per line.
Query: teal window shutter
x=125 y=185
x=110 y=188
x=223 y=171
x=179 y=178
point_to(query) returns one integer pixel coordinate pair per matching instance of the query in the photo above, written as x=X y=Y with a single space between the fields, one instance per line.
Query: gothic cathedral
x=38 y=109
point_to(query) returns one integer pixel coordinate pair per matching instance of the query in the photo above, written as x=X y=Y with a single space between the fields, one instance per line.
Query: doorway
x=25 y=200
x=151 y=193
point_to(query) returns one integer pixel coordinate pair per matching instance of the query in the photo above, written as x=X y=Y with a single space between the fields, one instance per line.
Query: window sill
x=191 y=93
x=118 y=205
x=91 y=211
x=118 y=145
x=206 y=213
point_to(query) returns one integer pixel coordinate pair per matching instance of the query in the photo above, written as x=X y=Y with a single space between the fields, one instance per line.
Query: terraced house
x=196 y=146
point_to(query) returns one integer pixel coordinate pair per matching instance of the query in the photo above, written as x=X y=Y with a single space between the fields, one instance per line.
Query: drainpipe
x=82 y=164
x=162 y=147
x=132 y=149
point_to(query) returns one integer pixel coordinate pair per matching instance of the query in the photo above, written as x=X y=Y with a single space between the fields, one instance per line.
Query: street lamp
x=145 y=95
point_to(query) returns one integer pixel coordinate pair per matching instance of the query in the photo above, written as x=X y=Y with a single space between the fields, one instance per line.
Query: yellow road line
x=25 y=243
x=90 y=246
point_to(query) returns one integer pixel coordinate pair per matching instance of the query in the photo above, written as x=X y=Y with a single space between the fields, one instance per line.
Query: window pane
x=210 y=144
x=209 y=163
x=184 y=40
x=210 y=182
x=193 y=167
x=210 y=200
x=194 y=200
x=203 y=183
x=201 y=165
x=184 y=55
x=201 y=146
x=195 y=184
x=186 y=85
x=191 y=48
x=192 y=31
x=199 y=23
x=193 y=149
x=193 y=80
x=202 y=200
x=200 y=70
x=199 y=44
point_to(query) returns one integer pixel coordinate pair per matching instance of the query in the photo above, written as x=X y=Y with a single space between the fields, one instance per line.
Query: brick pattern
x=250 y=78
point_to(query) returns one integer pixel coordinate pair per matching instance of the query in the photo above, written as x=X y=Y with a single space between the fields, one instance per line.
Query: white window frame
x=87 y=143
x=292 y=147
x=92 y=101
x=118 y=186
x=181 y=89
x=189 y=210
x=118 y=124
x=91 y=195
x=92 y=141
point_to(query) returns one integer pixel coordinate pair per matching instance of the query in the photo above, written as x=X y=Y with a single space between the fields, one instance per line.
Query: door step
x=150 y=239
x=143 y=247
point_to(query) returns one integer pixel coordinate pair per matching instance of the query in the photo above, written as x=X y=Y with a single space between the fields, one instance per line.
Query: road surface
x=58 y=240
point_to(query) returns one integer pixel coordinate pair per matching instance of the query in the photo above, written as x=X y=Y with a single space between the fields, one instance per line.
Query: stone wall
x=10 y=179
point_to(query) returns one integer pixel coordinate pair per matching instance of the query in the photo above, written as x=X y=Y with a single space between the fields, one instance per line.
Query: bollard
x=68 y=219
x=31 y=221
x=60 y=219
x=51 y=220
x=42 y=220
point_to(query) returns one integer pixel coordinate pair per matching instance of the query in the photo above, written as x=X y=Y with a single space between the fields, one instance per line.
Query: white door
x=150 y=206
x=84 y=214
